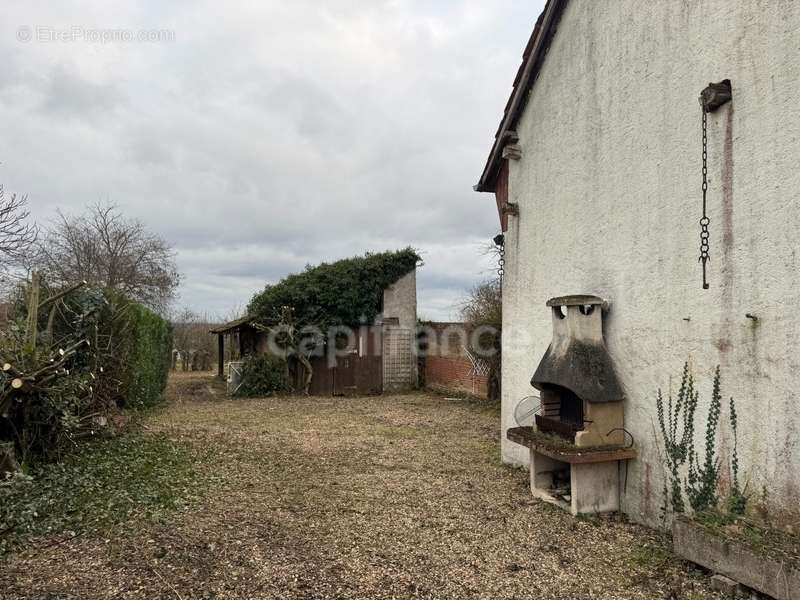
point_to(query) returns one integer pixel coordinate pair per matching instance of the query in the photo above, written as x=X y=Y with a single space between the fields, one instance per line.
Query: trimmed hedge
x=147 y=366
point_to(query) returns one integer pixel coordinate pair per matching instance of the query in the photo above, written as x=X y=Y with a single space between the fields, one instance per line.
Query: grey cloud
x=67 y=93
x=150 y=151
x=315 y=113
x=273 y=135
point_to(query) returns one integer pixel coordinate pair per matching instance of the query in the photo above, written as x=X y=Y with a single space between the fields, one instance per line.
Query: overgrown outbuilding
x=354 y=319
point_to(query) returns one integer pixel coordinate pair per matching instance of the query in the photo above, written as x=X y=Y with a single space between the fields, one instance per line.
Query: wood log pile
x=46 y=386
x=38 y=380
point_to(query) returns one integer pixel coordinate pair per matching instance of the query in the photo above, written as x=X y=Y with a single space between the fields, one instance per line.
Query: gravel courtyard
x=379 y=497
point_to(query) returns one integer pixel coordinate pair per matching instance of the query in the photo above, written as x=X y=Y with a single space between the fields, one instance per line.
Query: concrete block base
x=594 y=487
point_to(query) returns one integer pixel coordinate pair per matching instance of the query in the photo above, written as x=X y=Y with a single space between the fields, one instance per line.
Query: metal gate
x=235 y=368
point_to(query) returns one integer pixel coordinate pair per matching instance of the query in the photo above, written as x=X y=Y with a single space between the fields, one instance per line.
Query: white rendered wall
x=399 y=341
x=609 y=194
x=400 y=301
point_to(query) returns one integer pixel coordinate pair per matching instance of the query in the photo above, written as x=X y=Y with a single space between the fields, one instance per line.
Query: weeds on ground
x=112 y=484
x=483 y=405
x=490 y=450
x=399 y=432
x=650 y=556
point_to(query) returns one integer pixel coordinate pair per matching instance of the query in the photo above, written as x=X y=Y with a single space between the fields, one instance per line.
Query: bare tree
x=17 y=235
x=190 y=334
x=483 y=311
x=105 y=248
x=484 y=305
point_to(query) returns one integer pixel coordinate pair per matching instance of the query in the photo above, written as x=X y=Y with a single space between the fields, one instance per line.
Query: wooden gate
x=358 y=372
x=344 y=375
x=369 y=365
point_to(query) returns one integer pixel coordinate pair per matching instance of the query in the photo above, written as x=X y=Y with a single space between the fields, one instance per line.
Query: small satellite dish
x=526 y=409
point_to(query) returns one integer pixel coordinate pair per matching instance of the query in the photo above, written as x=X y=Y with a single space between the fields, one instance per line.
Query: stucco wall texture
x=399 y=340
x=400 y=301
x=609 y=193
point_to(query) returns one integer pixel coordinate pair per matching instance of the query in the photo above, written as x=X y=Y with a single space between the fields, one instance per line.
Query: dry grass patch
x=379 y=497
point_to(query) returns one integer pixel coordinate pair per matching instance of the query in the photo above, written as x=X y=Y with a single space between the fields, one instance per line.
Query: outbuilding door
x=369 y=365
x=344 y=377
x=358 y=372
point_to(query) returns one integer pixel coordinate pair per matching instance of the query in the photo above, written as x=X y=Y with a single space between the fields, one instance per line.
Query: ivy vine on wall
x=692 y=475
x=347 y=292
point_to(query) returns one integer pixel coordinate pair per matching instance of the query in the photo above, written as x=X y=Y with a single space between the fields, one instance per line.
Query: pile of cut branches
x=47 y=381
x=69 y=360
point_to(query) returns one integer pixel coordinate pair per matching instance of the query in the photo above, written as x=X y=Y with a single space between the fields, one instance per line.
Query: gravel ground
x=380 y=497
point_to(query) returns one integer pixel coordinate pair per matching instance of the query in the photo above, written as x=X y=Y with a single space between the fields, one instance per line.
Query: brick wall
x=455 y=373
x=447 y=362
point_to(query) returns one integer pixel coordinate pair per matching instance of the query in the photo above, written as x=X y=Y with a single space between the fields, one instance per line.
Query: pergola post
x=221 y=355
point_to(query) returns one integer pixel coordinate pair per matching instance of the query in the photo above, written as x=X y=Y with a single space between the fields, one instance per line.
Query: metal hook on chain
x=704 y=220
x=711 y=98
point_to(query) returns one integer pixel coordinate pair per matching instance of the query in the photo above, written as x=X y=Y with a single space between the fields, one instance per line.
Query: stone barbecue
x=579 y=438
x=581 y=396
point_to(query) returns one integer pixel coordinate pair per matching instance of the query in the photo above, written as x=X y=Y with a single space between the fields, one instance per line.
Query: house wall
x=399 y=334
x=609 y=194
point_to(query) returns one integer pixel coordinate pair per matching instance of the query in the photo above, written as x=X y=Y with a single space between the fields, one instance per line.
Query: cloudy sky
x=258 y=137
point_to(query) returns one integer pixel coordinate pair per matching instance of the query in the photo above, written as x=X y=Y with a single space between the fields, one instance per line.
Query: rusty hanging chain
x=500 y=244
x=711 y=98
x=704 y=220
x=501 y=261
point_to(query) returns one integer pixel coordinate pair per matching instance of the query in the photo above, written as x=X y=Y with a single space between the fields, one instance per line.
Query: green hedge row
x=141 y=342
x=148 y=362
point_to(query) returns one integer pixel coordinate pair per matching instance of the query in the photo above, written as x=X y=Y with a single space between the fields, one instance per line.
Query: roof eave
x=526 y=77
x=231 y=326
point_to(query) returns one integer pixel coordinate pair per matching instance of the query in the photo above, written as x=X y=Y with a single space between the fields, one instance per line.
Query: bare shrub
x=191 y=337
x=17 y=234
x=107 y=249
x=482 y=313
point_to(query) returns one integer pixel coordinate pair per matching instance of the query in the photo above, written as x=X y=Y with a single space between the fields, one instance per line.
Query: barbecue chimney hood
x=577 y=358
x=581 y=395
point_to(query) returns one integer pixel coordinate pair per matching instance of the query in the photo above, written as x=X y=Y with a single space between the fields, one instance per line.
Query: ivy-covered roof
x=345 y=292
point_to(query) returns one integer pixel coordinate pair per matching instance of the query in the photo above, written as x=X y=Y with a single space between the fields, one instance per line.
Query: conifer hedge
x=150 y=347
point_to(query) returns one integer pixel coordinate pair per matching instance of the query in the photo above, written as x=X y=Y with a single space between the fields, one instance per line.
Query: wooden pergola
x=231 y=328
